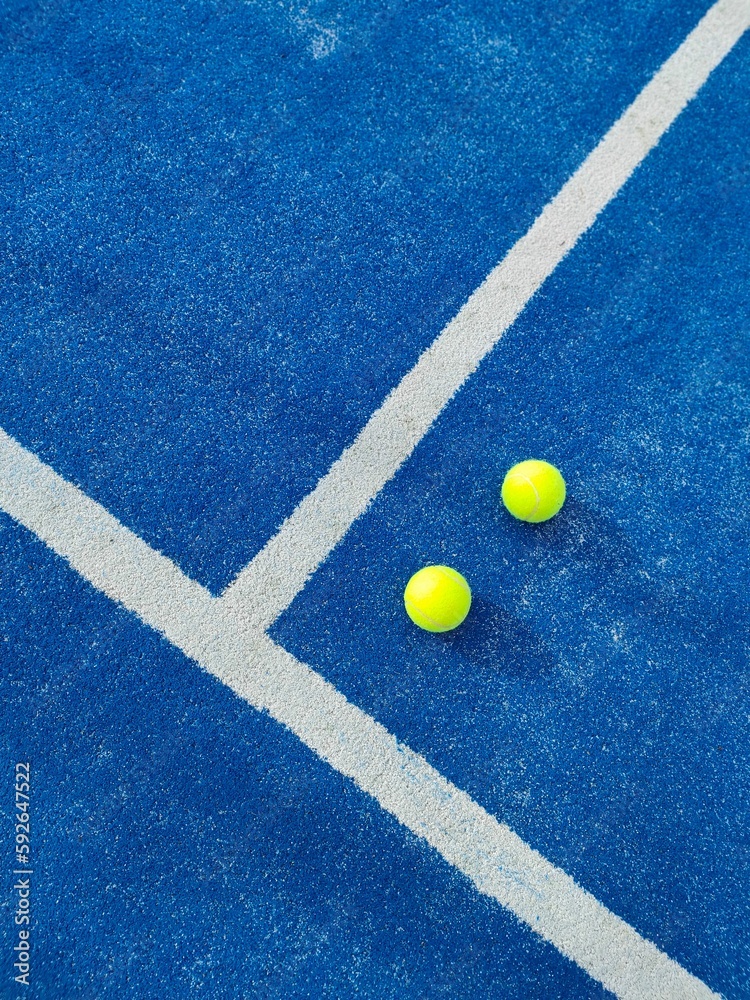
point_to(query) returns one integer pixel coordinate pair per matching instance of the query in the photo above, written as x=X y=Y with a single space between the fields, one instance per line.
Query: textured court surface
x=228 y=230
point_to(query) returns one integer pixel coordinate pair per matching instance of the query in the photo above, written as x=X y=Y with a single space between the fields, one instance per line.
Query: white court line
x=275 y=576
x=497 y=861
x=105 y=553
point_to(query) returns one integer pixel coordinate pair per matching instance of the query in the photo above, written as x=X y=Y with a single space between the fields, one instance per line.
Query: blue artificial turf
x=229 y=229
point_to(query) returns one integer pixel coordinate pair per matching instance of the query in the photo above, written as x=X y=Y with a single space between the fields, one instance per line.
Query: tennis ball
x=437 y=598
x=533 y=491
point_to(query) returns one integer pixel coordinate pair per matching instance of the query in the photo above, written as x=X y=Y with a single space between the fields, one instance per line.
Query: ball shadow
x=495 y=639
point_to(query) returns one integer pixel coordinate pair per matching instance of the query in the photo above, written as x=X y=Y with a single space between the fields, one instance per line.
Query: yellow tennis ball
x=437 y=598
x=533 y=491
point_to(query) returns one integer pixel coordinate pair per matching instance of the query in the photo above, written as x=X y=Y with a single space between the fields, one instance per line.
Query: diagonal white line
x=497 y=861
x=95 y=544
x=275 y=576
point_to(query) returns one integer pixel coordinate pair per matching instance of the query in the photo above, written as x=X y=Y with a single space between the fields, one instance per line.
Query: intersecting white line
x=497 y=861
x=226 y=635
x=268 y=584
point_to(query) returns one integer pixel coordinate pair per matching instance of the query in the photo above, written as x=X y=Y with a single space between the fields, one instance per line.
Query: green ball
x=437 y=598
x=533 y=491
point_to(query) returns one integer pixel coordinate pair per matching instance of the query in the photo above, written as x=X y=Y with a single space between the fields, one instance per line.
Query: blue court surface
x=229 y=229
